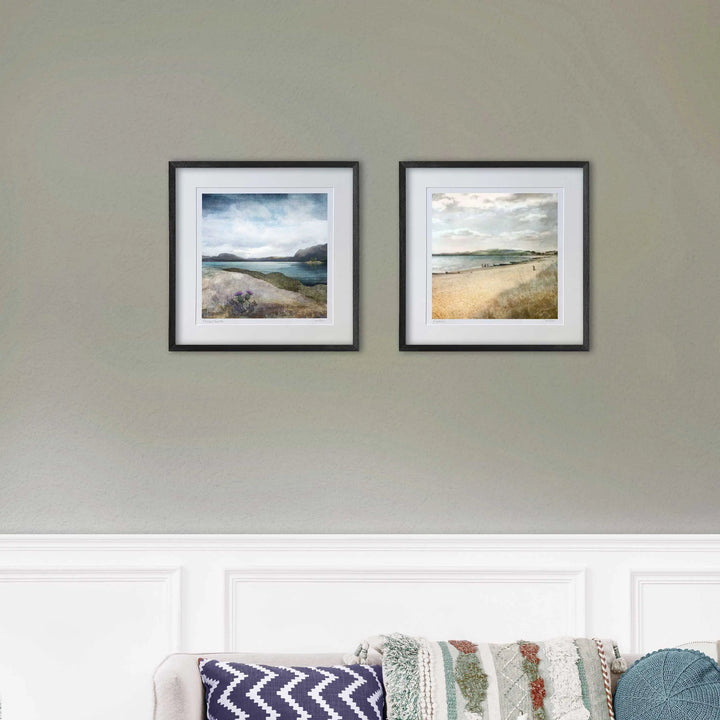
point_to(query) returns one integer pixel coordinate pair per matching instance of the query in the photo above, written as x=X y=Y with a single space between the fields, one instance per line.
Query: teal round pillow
x=670 y=685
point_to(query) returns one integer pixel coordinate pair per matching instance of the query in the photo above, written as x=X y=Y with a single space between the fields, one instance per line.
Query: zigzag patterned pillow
x=239 y=691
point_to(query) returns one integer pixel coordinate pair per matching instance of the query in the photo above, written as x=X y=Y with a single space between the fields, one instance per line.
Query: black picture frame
x=352 y=255
x=583 y=342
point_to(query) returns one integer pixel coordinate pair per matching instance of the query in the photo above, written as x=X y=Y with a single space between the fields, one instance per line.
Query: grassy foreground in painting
x=536 y=299
x=507 y=292
x=231 y=293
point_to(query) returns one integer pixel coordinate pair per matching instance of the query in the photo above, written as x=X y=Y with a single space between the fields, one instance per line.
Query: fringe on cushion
x=618 y=665
x=566 y=702
x=368 y=652
x=401 y=674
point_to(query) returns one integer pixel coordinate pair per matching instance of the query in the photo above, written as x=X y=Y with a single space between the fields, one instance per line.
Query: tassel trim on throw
x=618 y=665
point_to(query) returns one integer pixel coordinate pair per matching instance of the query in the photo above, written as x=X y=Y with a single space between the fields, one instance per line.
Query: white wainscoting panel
x=84 y=620
x=68 y=636
x=674 y=607
x=316 y=610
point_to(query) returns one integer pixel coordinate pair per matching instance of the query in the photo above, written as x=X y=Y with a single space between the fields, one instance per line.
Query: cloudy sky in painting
x=468 y=221
x=256 y=225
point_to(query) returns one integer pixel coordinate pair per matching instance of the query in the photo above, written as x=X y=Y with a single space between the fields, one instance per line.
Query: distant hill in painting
x=497 y=251
x=316 y=253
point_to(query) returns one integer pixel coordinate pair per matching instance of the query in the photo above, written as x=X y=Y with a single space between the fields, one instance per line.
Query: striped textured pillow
x=268 y=692
x=560 y=679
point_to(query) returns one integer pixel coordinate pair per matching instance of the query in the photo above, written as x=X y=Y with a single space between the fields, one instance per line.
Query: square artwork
x=264 y=255
x=494 y=256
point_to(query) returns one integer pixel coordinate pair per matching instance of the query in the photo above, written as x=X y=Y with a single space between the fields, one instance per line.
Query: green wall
x=103 y=430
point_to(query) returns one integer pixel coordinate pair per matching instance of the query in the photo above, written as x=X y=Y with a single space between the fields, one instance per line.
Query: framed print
x=263 y=255
x=494 y=255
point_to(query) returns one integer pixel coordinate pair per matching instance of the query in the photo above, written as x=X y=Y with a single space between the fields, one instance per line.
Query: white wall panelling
x=99 y=612
x=673 y=607
x=335 y=607
x=68 y=634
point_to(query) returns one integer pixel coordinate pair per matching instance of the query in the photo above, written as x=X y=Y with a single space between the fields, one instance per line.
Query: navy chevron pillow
x=239 y=691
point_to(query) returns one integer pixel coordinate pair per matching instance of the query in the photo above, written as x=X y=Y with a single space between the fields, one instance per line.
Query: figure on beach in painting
x=264 y=255
x=494 y=255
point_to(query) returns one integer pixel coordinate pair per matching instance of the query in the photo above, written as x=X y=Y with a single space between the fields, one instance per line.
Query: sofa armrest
x=178 y=689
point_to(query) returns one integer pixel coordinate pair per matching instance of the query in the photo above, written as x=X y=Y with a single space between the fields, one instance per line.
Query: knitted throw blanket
x=560 y=679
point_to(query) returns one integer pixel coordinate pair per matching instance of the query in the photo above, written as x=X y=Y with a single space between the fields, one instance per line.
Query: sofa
x=179 y=690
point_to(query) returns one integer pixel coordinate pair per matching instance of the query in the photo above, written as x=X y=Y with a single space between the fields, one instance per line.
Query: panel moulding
x=169 y=577
x=640 y=580
x=574 y=579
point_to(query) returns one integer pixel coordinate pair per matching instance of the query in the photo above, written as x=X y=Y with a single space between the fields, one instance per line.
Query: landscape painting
x=264 y=255
x=494 y=255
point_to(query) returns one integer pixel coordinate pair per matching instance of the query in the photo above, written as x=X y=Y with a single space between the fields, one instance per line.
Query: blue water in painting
x=306 y=273
x=458 y=263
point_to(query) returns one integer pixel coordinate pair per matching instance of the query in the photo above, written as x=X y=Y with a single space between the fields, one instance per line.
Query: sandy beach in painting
x=506 y=291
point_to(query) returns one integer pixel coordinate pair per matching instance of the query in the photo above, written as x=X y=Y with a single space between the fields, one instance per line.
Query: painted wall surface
x=102 y=429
